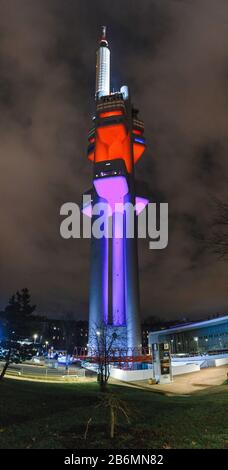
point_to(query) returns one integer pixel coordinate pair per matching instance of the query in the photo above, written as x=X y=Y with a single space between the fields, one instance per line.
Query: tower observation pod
x=116 y=143
x=103 y=67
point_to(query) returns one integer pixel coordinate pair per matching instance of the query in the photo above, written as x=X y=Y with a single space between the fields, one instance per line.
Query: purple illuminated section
x=87 y=210
x=118 y=289
x=112 y=188
x=140 y=204
x=105 y=280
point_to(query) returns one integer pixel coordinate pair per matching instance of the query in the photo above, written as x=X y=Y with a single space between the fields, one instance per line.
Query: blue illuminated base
x=117 y=338
x=111 y=338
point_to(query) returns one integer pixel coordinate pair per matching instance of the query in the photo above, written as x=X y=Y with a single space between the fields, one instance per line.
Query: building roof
x=193 y=325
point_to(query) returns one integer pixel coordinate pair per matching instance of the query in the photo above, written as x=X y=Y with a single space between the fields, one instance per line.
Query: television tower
x=116 y=143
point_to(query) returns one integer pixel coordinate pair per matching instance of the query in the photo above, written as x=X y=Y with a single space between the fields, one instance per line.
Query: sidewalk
x=185 y=384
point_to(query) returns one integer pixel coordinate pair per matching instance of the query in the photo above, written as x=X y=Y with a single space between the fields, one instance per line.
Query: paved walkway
x=187 y=383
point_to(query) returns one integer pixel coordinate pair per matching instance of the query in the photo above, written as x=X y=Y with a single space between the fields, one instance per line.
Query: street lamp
x=172 y=345
x=196 y=339
x=35 y=337
x=46 y=343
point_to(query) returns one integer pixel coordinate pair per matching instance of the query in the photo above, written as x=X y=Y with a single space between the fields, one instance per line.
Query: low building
x=196 y=337
x=66 y=334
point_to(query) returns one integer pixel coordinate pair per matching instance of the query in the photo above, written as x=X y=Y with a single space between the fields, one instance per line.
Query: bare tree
x=105 y=344
x=114 y=407
x=7 y=359
x=16 y=317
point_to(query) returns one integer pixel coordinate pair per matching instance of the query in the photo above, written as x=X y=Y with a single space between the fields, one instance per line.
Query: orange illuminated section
x=110 y=114
x=113 y=142
x=91 y=156
x=136 y=131
x=138 y=150
x=138 y=147
x=91 y=147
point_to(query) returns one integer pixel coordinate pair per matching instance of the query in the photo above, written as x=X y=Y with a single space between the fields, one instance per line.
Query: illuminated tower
x=116 y=143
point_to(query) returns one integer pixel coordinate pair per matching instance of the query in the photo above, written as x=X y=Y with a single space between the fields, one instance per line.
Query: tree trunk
x=112 y=428
x=6 y=364
x=103 y=386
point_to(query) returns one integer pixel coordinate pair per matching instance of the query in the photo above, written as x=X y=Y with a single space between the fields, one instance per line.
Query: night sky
x=174 y=57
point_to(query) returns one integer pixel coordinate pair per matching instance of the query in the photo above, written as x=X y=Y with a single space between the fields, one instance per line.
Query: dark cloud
x=174 y=56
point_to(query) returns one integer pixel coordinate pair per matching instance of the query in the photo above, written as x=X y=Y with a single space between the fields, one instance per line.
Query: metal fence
x=46 y=372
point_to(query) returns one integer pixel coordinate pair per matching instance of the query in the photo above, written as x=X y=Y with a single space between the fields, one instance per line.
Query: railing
x=138 y=124
x=47 y=373
x=81 y=352
x=110 y=104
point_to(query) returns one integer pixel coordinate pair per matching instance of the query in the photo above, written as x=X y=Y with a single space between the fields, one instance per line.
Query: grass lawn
x=40 y=415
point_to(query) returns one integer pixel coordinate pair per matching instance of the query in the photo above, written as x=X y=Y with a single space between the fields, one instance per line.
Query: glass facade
x=202 y=337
